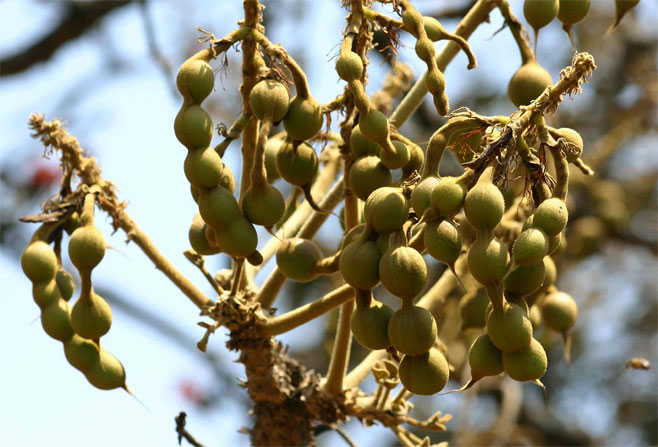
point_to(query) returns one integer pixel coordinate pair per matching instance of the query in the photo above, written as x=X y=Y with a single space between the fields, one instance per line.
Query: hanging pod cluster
x=80 y=327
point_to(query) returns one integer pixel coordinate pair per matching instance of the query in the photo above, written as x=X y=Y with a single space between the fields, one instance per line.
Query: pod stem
x=496 y=296
x=258 y=171
x=515 y=27
x=562 y=173
x=85 y=284
x=362 y=298
x=87 y=215
x=231 y=134
x=327 y=265
x=303 y=314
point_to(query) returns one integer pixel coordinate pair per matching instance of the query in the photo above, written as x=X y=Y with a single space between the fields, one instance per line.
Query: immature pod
x=386 y=210
x=198 y=239
x=271 y=148
x=560 y=311
x=484 y=205
x=65 y=284
x=484 y=358
x=573 y=141
x=72 y=223
x=91 y=316
x=488 y=260
x=448 y=196
x=304 y=118
x=472 y=309
x=374 y=126
x=218 y=207
x=368 y=174
x=425 y=374
x=269 y=99
x=539 y=13
x=621 y=8
x=525 y=280
x=370 y=325
x=86 y=247
x=195 y=79
x=509 y=329
x=530 y=247
x=534 y=314
x=527 y=83
x=349 y=66
x=360 y=145
x=239 y=239
x=46 y=293
x=227 y=180
x=81 y=353
x=398 y=158
x=297 y=163
x=108 y=373
x=403 y=272
x=263 y=205
x=421 y=195
x=412 y=330
x=193 y=127
x=551 y=216
x=359 y=264
x=203 y=168
x=443 y=241
x=415 y=163
x=571 y=12
x=527 y=364
x=56 y=320
x=464 y=143
x=297 y=257
x=352 y=235
x=39 y=262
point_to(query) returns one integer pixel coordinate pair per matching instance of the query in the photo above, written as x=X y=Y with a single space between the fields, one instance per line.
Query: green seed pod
x=349 y=66
x=193 y=127
x=195 y=79
x=227 y=181
x=361 y=146
x=194 y=191
x=560 y=311
x=403 y=272
x=108 y=373
x=374 y=126
x=398 y=159
x=270 y=99
x=386 y=210
x=527 y=364
x=554 y=243
x=472 y=308
x=271 y=148
x=45 y=293
x=488 y=260
x=383 y=243
x=621 y=8
x=509 y=329
x=39 y=262
x=297 y=165
x=424 y=49
x=448 y=196
x=56 y=320
x=359 y=264
x=86 y=247
x=443 y=241
x=484 y=358
x=425 y=374
x=368 y=174
x=412 y=330
x=263 y=206
x=296 y=258
x=65 y=284
x=551 y=273
x=370 y=325
x=574 y=143
x=530 y=247
x=72 y=223
x=539 y=13
x=352 y=235
x=239 y=239
x=484 y=205
x=420 y=197
x=197 y=236
x=304 y=118
x=81 y=353
x=433 y=28
x=218 y=207
x=525 y=280
x=527 y=83
x=415 y=163
x=203 y=168
x=535 y=316
x=571 y=12
x=465 y=143
x=91 y=316
x=551 y=216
